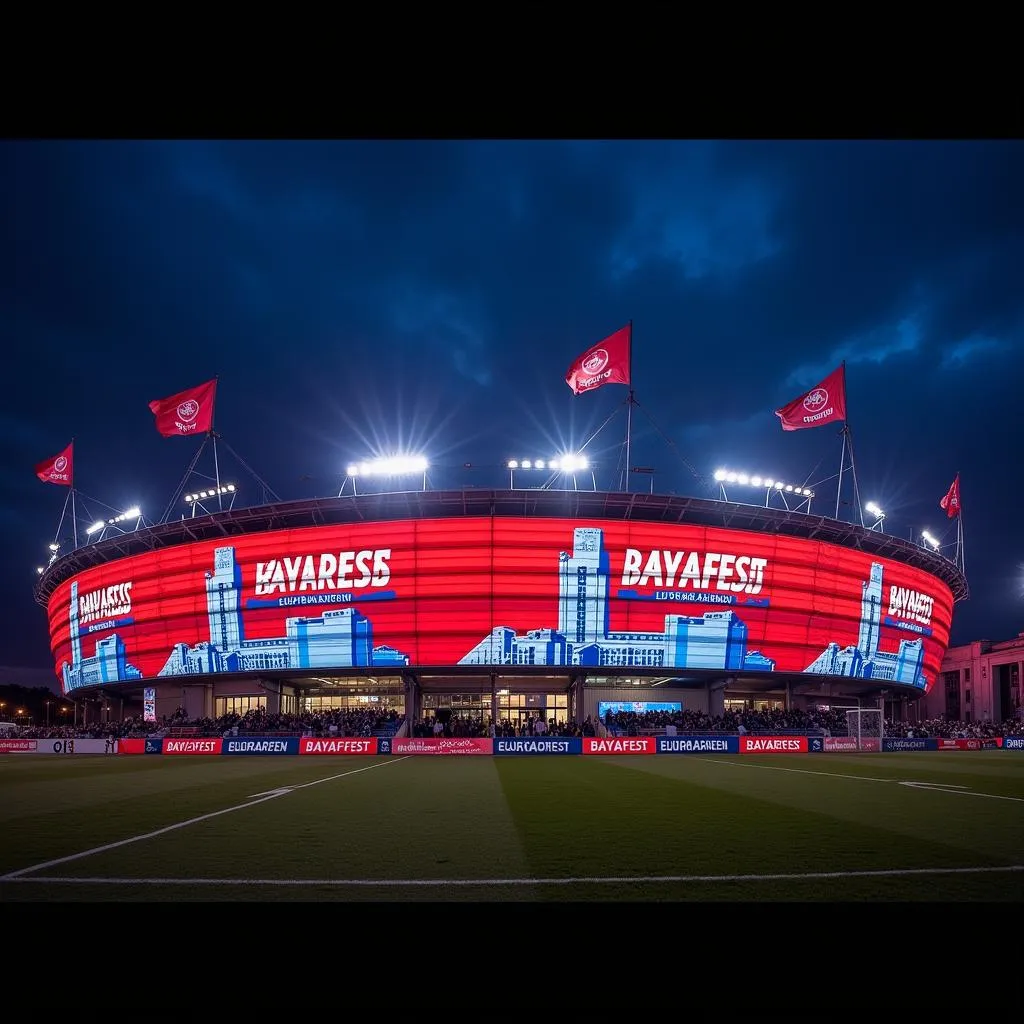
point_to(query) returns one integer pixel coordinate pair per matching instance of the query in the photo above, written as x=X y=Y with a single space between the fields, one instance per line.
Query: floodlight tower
x=561 y=465
x=929 y=542
x=772 y=487
x=386 y=466
x=872 y=509
x=124 y=522
x=196 y=498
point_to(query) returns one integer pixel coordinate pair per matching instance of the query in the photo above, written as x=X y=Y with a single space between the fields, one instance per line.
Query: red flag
x=607 y=362
x=823 y=404
x=951 y=502
x=59 y=469
x=188 y=412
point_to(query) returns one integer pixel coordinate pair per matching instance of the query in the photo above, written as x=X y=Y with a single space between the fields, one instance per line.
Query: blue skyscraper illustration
x=339 y=638
x=109 y=664
x=715 y=640
x=866 y=661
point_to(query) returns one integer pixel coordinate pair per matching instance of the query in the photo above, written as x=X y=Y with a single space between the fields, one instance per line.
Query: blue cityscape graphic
x=343 y=637
x=865 y=660
x=715 y=640
x=339 y=638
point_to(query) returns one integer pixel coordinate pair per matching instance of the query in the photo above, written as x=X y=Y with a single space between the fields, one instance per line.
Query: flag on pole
x=186 y=413
x=59 y=469
x=823 y=404
x=607 y=362
x=951 y=502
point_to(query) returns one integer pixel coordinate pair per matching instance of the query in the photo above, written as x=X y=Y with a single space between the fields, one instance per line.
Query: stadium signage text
x=260 y=745
x=192 y=746
x=890 y=744
x=911 y=605
x=698 y=744
x=537 y=745
x=773 y=744
x=109 y=603
x=1014 y=742
x=327 y=571
x=619 y=745
x=742 y=574
x=337 y=745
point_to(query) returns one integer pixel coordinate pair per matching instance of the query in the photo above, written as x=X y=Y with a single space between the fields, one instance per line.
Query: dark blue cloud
x=355 y=296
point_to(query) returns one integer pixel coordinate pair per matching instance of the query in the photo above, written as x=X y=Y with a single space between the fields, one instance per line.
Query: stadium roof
x=475 y=502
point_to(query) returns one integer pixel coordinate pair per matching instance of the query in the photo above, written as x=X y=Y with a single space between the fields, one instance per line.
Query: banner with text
x=698 y=744
x=773 y=745
x=339 y=745
x=620 y=745
x=260 y=745
x=442 y=745
x=538 y=745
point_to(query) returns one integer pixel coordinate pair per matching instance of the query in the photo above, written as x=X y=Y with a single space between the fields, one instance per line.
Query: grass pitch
x=833 y=827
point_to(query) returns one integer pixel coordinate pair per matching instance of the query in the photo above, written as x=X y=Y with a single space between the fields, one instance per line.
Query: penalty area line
x=470 y=882
x=260 y=798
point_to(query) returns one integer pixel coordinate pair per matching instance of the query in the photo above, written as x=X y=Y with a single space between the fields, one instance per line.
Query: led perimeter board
x=500 y=592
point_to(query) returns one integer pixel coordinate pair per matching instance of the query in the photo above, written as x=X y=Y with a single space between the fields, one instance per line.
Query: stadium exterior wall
x=484 y=592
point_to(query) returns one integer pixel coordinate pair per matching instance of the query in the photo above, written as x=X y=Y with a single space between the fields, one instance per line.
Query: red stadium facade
x=408 y=597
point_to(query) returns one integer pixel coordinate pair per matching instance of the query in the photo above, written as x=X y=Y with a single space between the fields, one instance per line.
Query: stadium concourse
x=344 y=722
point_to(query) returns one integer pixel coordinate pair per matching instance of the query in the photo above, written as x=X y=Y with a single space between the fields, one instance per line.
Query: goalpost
x=866 y=726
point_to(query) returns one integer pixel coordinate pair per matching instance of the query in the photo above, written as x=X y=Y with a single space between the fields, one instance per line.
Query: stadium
x=497 y=604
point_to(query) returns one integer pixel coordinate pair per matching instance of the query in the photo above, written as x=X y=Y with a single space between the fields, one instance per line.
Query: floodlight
x=40 y=570
x=90 y=530
x=728 y=476
x=570 y=463
x=394 y=465
x=133 y=513
x=513 y=464
x=54 y=547
x=874 y=510
x=190 y=499
x=930 y=539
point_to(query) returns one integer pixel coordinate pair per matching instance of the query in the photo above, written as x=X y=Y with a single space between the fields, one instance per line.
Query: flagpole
x=960 y=560
x=74 y=517
x=629 y=407
x=216 y=465
x=842 y=469
x=853 y=470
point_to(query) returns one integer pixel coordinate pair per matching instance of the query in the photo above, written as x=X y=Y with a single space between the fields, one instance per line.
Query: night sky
x=356 y=298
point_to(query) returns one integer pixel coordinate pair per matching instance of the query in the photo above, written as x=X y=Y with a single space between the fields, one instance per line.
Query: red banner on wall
x=619 y=745
x=443 y=745
x=198 y=745
x=131 y=746
x=773 y=744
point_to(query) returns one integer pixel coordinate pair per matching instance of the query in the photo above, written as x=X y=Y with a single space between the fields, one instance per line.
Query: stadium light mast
x=872 y=509
x=929 y=541
x=386 y=466
x=195 y=499
x=561 y=465
x=128 y=521
x=797 y=494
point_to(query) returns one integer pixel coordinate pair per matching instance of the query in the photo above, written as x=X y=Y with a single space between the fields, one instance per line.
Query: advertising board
x=773 y=745
x=501 y=591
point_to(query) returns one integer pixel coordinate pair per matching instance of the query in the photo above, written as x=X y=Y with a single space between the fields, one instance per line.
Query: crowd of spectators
x=387 y=722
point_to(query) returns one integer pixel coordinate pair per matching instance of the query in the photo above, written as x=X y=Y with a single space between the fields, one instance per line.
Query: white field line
x=252 y=802
x=937 y=787
x=470 y=882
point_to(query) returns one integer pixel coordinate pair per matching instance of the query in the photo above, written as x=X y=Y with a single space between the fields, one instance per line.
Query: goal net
x=865 y=726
